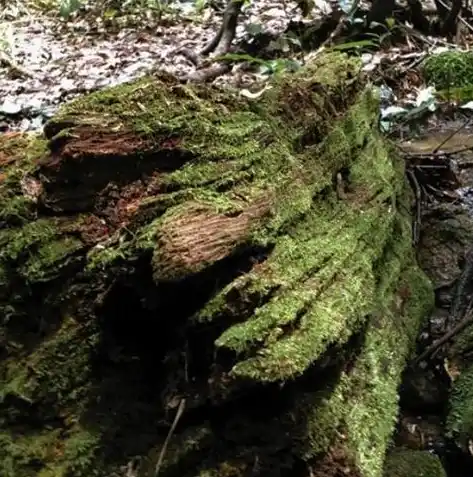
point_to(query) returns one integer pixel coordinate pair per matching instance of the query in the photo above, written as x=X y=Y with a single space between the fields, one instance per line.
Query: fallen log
x=245 y=264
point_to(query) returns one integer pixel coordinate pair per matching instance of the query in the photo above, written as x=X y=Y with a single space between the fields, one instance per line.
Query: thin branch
x=462 y=126
x=450 y=9
x=179 y=413
x=418 y=198
x=427 y=155
x=464 y=323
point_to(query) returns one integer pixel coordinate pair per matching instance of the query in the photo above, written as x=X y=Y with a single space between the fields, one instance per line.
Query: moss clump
x=315 y=291
x=77 y=456
x=58 y=372
x=17 y=241
x=49 y=454
x=363 y=404
x=460 y=417
x=50 y=258
x=19 y=155
x=450 y=69
x=56 y=378
x=410 y=463
x=451 y=73
x=22 y=456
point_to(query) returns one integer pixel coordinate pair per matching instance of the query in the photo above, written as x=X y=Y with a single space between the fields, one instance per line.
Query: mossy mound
x=182 y=247
x=451 y=72
x=410 y=463
x=460 y=415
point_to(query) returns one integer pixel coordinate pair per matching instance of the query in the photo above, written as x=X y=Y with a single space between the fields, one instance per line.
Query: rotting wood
x=185 y=242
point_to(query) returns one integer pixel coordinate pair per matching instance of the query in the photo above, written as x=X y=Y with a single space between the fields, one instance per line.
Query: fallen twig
x=418 y=198
x=465 y=322
x=462 y=126
x=179 y=413
x=427 y=155
x=207 y=74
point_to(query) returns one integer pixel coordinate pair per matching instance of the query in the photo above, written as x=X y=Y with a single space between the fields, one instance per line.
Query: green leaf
x=390 y=22
x=354 y=44
x=110 y=13
x=240 y=57
x=67 y=7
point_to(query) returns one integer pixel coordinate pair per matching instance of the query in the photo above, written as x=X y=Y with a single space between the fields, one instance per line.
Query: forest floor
x=46 y=60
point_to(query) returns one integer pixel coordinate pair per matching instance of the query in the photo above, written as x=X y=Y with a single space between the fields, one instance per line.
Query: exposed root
x=222 y=41
x=207 y=74
x=220 y=44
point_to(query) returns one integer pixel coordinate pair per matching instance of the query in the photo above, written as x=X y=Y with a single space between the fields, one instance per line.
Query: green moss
x=50 y=258
x=330 y=306
x=49 y=454
x=332 y=270
x=18 y=208
x=21 y=154
x=410 y=463
x=208 y=124
x=37 y=251
x=320 y=289
x=21 y=456
x=459 y=95
x=17 y=241
x=450 y=69
x=363 y=405
x=194 y=114
x=451 y=72
x=78 y=456
x=57 y=373
x=56 y=379
x=261 y=153
x=460 y=416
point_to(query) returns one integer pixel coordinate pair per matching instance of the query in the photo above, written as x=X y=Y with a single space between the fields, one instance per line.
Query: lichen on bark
x=183 y=242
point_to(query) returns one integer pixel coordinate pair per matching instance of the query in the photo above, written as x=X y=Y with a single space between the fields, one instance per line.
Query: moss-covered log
x=166 y=246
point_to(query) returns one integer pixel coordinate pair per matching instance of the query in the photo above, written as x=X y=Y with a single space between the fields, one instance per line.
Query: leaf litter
x=48 y=60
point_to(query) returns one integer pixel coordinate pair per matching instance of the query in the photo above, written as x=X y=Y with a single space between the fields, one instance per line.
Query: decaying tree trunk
x=246 y=263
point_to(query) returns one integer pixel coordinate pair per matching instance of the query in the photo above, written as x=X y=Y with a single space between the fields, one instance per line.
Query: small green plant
x=68 y=7
x=377 y=39
x=200 y=6
x=267 y=67
x=450 y=69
